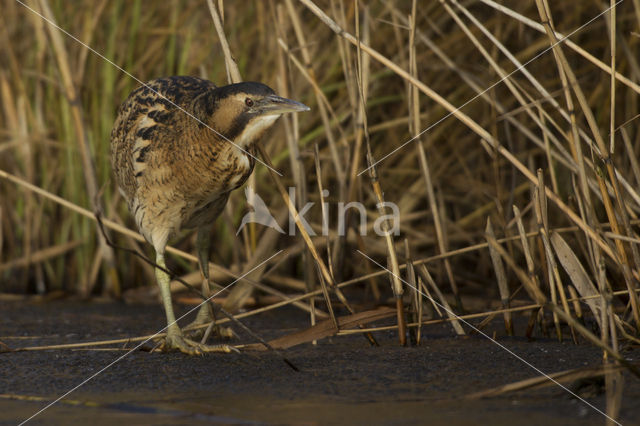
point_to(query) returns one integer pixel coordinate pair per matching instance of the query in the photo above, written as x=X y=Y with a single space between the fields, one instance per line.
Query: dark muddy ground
x=342 y=380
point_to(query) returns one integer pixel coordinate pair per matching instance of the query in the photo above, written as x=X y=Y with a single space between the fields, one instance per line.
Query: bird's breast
x=216 y=170
x=237 y=168
x=212 y=183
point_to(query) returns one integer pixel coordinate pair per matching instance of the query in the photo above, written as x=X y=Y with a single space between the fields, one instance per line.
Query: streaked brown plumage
x=175 y=163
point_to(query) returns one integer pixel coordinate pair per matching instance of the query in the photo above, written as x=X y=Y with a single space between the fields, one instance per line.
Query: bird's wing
x=150 y=116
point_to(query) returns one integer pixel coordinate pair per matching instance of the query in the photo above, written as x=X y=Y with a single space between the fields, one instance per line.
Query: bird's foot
x=196 y=329
x=177 y=342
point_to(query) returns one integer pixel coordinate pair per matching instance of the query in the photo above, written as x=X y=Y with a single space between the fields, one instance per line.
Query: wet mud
x=342 y=380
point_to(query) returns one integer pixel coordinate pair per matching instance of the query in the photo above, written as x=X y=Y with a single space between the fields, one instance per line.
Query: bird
x=179 y=146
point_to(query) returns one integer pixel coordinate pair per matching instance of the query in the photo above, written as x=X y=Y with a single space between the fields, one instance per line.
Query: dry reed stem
x=544 y=234
x=540 y=28
x=137 y=237
x=603 y=153
x=635 y=167
x=325 y=216
x=577 y=274
x=321 y=99
x=426 y=277
x=530 y=286
x=294 y=213
x=233 y=73
x=566 y=376
x=415 y=127
x=396 y=285
x=363 y=75
x=613 y=379
x=525 y=247
x=573 y=295
x=296 y=160
x=540 y=207
x=357 y=92
x=501 y=277
x=322 y=106
x=414 y=284
x=38 y=256
x=585 y=201
x=326 y=329
x=243 y=289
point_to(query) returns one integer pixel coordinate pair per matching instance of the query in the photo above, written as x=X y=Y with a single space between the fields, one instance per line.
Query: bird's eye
x=248 y=102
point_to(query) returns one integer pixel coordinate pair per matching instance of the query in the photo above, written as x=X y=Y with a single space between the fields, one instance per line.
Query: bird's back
x=148 y=115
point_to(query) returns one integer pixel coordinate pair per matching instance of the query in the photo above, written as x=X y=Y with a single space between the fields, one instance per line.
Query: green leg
x=175 y=340
x=203 y=246
x=165 y=290
x=205 y=313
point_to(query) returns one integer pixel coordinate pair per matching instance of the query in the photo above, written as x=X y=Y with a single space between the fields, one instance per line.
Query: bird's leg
x=165 y=291
x=175 y=339
x=205 y=313
x=203 y=247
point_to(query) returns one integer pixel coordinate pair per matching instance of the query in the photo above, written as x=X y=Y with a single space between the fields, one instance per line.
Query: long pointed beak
x=273 y=104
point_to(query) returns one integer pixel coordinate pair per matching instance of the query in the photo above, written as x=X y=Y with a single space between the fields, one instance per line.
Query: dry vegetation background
x=524 y=200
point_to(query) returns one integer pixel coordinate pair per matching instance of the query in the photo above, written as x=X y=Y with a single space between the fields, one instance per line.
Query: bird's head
x=242 y=112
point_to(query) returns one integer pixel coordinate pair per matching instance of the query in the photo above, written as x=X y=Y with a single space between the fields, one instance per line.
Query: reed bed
x=507 y=136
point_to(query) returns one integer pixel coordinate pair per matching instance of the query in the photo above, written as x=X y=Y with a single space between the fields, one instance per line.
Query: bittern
x=179 y=146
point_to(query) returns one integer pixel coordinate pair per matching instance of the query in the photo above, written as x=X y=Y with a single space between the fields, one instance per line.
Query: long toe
x=189 y=347
x=212 y=348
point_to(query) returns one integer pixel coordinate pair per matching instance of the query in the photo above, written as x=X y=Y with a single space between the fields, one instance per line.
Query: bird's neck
x=254 y=129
